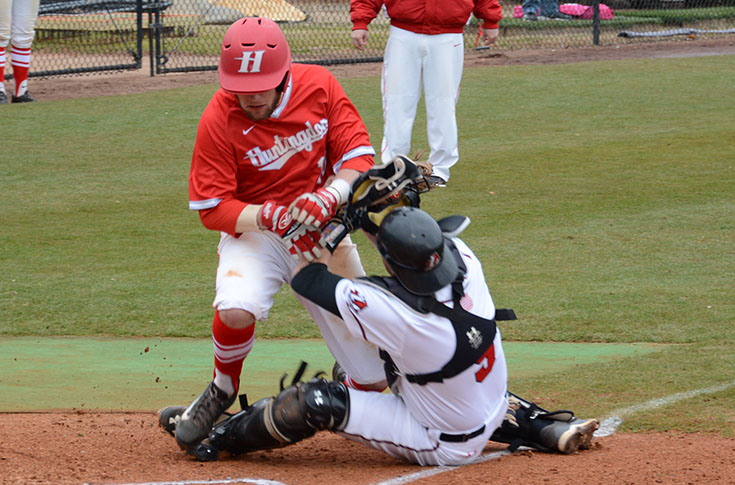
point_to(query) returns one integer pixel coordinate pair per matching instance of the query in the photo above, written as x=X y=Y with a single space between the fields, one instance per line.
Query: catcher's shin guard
x=526 y=424
x=296 y=413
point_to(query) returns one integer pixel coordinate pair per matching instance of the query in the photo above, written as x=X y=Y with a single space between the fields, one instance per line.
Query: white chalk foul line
x=440 y=469
x=609 y=425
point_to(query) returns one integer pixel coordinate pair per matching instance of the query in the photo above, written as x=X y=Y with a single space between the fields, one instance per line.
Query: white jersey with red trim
x=422 y=343
x=313 y=133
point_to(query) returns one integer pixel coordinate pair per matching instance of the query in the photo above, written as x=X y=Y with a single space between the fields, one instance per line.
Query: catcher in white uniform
x=434 y=323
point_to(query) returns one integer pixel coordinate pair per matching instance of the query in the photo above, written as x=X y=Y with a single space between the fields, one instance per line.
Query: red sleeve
x=490 y=13
x=213 y=173
x=223 y=217
x=362 y=12
x=348 y=142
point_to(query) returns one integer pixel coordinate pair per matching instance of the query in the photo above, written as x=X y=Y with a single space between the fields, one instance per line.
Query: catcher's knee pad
x=526 y=424
x=304 y=408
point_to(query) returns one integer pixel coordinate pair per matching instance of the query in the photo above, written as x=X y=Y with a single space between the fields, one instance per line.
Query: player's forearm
x=247 y=221
x=342 y=183
x=315 y=283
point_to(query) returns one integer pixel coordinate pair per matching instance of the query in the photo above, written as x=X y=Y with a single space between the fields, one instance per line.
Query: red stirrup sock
x=2 y=68
x=231 y=346
x=20 y=59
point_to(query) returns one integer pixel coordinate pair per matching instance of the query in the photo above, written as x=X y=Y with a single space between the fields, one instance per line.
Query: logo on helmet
x=433 y=261
x=256 y=57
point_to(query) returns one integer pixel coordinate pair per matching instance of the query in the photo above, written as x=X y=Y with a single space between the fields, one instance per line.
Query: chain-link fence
x=76 y=36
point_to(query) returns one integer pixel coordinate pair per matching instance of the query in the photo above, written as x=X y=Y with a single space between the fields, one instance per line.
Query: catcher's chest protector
x=474 y=335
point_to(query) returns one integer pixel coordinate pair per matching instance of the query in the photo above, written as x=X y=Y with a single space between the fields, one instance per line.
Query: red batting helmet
x=255 y=56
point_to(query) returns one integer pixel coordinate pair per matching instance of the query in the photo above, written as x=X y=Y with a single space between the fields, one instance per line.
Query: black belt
x=461 y=438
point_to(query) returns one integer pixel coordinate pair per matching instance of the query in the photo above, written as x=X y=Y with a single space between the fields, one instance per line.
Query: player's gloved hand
x=275 y=218
x=298 y=238
x=315 y=208
x=304 y=241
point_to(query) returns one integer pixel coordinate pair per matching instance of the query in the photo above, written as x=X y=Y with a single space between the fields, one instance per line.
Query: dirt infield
x=91 y=448
x=129 y=82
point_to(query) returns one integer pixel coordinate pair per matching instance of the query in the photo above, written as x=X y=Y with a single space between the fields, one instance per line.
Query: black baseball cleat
x=197 y=420
x=3 y=98
x=24 y=98
x=169 y=417
x=436 y=181
x=568 y=437
x=526 y=424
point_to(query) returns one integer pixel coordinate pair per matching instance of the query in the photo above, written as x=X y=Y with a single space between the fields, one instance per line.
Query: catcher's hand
x=298 y=238
x=425 y=167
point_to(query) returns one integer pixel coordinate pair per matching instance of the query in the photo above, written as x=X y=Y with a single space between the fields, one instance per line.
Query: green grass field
x=602 y=196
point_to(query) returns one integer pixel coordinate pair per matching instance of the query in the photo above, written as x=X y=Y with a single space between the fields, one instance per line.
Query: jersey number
x=486 y=361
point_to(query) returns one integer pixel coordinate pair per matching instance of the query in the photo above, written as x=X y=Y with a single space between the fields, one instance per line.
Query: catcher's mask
x=412 y=244
x=382 y=189
x=255 y=57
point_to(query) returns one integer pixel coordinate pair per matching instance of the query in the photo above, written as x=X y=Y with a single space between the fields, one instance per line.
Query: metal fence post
x=139 y=34
x=596 y=22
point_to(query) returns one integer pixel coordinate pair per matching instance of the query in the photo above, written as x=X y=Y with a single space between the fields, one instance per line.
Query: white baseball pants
x=413 y=61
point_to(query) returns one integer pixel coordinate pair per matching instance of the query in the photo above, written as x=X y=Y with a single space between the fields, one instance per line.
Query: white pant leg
x=251 y=270
x=383 y=421
x=401 y=88
x=23 y=20
x=6 y=9
x=357 y=357
x=442 y=76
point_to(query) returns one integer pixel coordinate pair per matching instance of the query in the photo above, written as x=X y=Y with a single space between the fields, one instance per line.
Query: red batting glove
x=315 y=208
x=298 y=239
x=304 y=241
x=275 y=218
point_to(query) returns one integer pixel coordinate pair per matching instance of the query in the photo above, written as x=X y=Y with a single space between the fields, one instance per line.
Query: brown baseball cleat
x=197 y=420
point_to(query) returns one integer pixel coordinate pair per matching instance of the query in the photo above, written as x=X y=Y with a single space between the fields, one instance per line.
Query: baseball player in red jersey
x=425 y=46
x=275 y=154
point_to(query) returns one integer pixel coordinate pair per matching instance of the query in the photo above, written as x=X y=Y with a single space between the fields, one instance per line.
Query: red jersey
x=313 y=133
x=426 y=16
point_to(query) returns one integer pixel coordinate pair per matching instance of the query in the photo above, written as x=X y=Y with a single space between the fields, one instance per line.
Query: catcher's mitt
x=375 y=193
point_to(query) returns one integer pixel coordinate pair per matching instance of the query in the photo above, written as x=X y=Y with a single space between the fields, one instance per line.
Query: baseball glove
x=375 y=193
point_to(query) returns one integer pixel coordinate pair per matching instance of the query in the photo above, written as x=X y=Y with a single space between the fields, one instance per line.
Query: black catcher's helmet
x=412 y=243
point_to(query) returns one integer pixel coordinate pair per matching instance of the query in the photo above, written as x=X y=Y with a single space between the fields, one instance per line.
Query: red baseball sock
x=231 y=346
x=20 y=59
x=2 y=68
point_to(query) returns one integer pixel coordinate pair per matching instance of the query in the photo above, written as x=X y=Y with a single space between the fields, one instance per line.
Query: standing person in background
x=17 y=24
x=426 y=46
x=276 y=152
x=543 y=9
